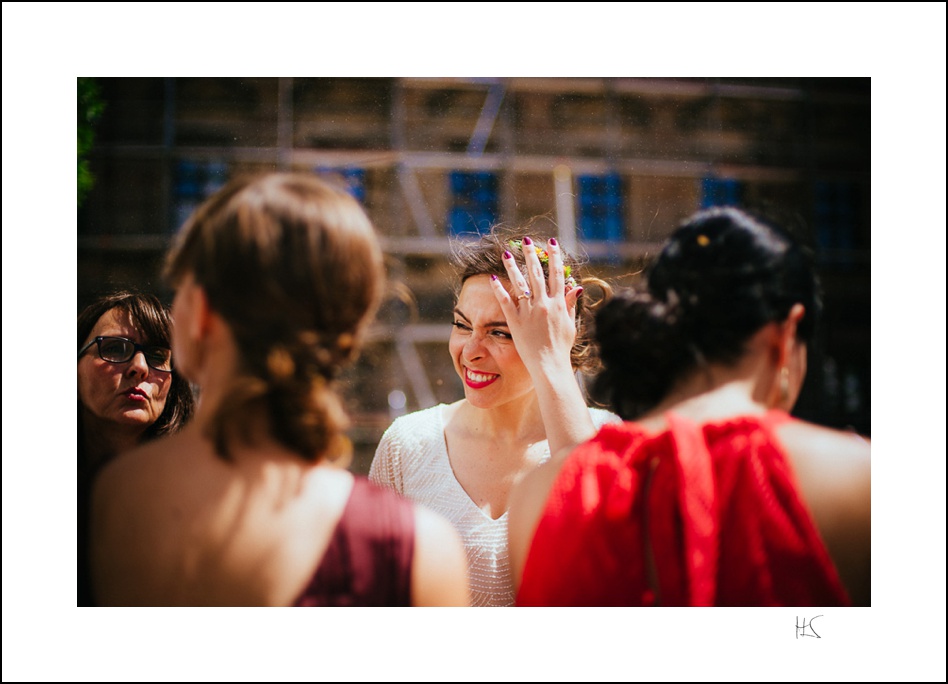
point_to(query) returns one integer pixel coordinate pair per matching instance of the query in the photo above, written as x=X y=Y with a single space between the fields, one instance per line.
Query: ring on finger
x=525 y=295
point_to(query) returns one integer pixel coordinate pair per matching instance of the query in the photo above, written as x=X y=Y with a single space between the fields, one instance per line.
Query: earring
x=784 y=385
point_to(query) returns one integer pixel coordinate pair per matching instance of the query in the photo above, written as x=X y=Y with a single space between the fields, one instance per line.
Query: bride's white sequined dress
x=412 y=459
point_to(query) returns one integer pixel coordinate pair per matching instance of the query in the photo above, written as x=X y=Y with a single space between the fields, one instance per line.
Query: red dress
x=694 y=516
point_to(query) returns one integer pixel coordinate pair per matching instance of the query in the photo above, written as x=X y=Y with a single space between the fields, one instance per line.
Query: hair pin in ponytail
x=280 y=364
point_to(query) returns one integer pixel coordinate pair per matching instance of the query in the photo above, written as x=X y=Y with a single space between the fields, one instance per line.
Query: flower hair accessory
x=544 y=257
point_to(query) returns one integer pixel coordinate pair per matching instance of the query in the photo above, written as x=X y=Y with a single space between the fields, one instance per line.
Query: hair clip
x=541 y=253
x=544 y=258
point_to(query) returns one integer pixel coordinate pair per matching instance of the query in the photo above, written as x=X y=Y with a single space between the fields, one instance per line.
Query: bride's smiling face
x=483 y=351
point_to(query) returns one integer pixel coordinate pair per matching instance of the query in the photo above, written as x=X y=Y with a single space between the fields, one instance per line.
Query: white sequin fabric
x=412 y=459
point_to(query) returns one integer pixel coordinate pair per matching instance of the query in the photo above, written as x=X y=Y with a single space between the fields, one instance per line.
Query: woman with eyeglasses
x=128 y=391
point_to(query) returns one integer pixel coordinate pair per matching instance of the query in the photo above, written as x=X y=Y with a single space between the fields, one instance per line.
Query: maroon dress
x=695 y=516
x=369 y=558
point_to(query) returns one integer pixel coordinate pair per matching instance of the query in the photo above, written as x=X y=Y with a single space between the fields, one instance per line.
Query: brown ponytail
x=294 y=267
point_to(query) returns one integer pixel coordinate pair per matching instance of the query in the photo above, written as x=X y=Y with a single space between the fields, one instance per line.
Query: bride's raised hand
x=540 y=310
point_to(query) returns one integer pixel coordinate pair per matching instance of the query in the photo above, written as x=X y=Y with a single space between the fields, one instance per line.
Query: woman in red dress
x=714 y=495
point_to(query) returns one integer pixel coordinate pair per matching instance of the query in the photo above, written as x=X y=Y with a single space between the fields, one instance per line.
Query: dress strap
x=696 y=496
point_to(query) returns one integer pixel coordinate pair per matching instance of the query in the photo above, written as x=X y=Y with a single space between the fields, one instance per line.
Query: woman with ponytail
x=276 y=280
x=710 y=493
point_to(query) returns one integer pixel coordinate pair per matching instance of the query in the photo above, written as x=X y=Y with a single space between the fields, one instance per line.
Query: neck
x=517 y=419
x=214 y=377
x=717 y=392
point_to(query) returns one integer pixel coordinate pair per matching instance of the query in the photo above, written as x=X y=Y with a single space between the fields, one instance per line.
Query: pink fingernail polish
x=507 y=255
x=579 y=292
x=493 y=277
x=527 y=241
x=553 y=241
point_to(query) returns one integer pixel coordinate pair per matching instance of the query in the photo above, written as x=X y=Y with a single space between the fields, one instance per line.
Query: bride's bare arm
x=542 y=320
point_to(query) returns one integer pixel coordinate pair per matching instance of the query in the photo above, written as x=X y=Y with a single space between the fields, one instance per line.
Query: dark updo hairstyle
x=722 y=276
x=485 y=257
x=152 y=320
x=293 y=266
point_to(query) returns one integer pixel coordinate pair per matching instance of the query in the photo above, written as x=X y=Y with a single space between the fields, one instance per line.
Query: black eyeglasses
x=120 y=350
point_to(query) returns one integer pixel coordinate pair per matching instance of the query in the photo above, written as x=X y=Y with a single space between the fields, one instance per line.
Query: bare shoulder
x=527 y=501
x=439 y=566
x=832 y=467
x=433 y=528
x=119 y=529
x=130 y=490
x=131 y=470
x=837 y=456
x=131 y=483
x=833 y=473
x=529 y=496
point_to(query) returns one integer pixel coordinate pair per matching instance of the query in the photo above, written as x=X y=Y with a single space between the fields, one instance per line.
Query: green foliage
x=90 y=108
